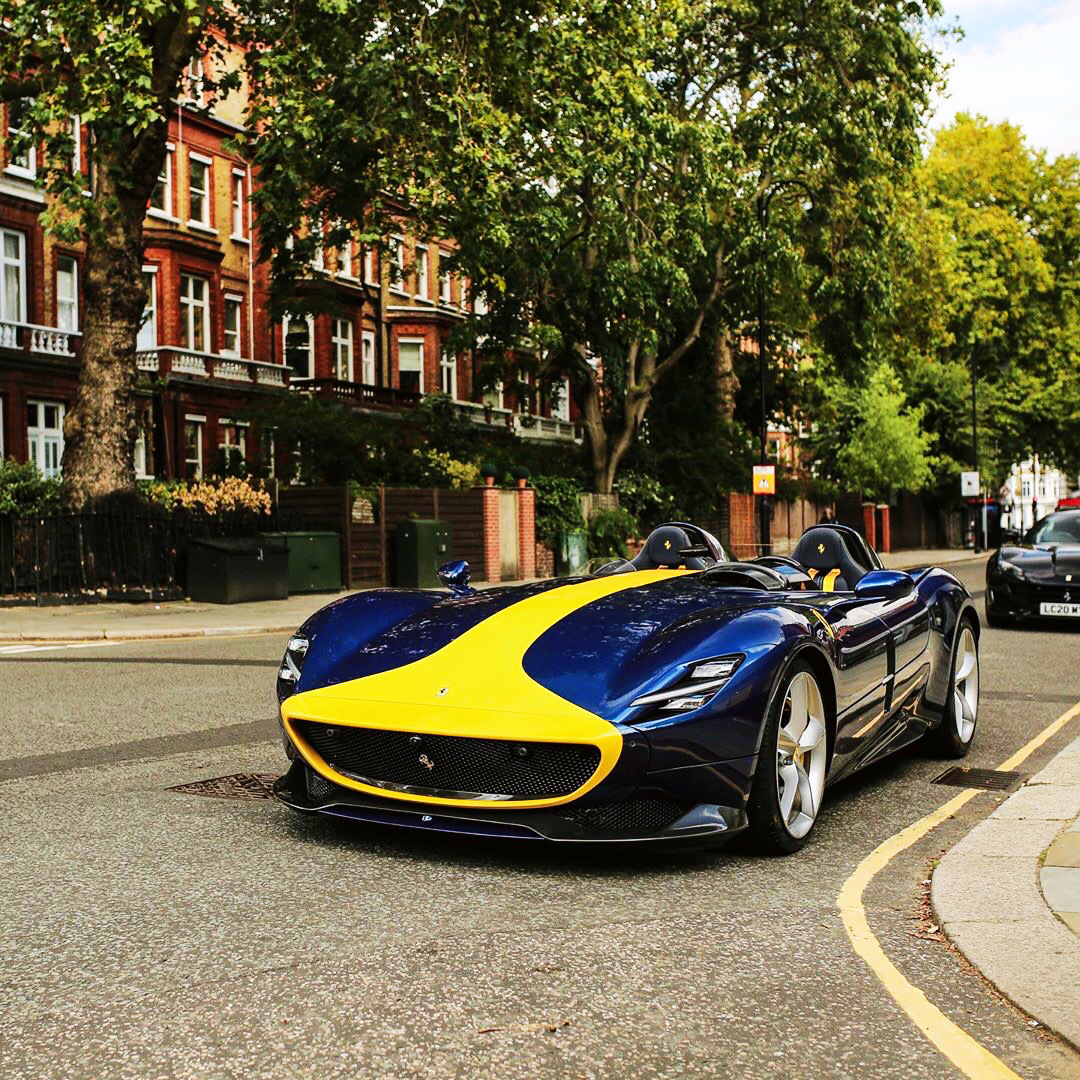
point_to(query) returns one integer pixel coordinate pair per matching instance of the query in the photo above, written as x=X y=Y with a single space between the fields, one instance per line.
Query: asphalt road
x=151 y=934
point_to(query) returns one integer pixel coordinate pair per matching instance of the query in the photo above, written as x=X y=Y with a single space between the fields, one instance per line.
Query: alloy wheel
x=801 y=750
x=965 y=685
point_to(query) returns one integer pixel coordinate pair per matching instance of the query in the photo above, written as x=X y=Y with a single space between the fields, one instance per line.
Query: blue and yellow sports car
x=677 y=698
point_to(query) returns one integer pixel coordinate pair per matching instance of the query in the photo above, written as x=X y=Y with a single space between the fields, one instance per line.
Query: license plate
x=1060 y=609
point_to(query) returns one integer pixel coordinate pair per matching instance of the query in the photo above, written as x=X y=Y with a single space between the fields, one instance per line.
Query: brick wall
x=742 y=526
x=545 y=560
x=526 y=532
x=492 y=554
x=869 y=524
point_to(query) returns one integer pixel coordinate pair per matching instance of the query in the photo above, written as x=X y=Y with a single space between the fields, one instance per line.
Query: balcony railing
x=44 y=340
x=390 y=398
x=170 y=358
x=374 y=397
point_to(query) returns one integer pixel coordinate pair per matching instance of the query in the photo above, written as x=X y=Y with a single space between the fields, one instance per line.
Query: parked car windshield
x=1062 y=528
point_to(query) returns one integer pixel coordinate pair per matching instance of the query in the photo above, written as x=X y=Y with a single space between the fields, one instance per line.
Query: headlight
x=1011 y=569
x=705 y=680
x=291 y=663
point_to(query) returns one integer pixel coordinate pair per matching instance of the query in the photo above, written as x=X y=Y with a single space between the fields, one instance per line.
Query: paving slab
x=1064 y=851
x=1002 y=909
x=1061 y=887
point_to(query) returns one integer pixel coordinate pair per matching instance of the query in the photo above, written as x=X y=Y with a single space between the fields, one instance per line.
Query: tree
x=121 y=68
x=612 y=208
x=871 y=441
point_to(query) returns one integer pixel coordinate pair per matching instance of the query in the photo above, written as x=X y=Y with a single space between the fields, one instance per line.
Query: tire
x=994 y=618
x=789 y=780
x=952 y=738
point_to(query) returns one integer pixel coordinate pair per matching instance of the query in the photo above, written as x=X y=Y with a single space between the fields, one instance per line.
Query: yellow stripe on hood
x=475 y=686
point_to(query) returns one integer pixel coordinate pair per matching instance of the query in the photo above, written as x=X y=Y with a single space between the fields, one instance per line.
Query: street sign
x=764 y=479
x=969 y=483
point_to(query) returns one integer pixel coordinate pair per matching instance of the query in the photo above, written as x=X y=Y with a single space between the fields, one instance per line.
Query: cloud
x=1023 y=72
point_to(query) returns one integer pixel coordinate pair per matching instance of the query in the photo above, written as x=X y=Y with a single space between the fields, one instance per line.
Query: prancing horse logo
x=821 y=549
x=1067 y=597
x=426 y=762
x=667 y=544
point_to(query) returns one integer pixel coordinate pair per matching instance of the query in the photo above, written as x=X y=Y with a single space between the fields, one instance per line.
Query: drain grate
x=244 y=785
x=990 y=779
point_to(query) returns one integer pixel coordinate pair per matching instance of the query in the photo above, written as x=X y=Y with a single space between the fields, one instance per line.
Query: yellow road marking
x=969 y=1056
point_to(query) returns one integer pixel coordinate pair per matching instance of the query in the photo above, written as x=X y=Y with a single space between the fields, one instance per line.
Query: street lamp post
x=975 y=455
x=763 y=222
x=763 y=200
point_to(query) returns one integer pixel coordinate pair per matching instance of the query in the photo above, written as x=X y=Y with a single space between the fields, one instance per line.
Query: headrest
x=664 y=544
x=822 y=549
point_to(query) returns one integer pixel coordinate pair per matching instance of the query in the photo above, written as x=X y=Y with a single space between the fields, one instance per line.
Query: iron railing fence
x=104 y=555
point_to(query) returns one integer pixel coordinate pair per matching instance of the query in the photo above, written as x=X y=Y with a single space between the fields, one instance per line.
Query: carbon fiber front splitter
x=703 y=824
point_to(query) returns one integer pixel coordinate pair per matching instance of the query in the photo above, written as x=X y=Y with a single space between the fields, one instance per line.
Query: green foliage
x=608 y=532
x=557 y=507
x=23 y=490
x=644 y=497
x=441 y=470
x=872 y=442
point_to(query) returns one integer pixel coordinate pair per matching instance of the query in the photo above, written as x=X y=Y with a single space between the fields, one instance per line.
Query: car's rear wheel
x=952 y=737
x=790 y=778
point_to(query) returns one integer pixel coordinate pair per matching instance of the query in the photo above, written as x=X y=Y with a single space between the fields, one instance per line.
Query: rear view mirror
x=884 y=585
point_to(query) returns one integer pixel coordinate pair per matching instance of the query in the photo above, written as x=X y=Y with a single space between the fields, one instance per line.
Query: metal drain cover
x=244 y=785
x=989 y=779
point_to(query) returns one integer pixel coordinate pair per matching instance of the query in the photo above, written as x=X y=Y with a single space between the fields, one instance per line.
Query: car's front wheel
x=789 y=781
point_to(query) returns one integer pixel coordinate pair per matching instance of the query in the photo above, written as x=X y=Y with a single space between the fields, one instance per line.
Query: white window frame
x=237 y=206
x=226 y=428
x=75 y=122
x=141 y=456
x=560 y=409
x=341 y=342
x=45 y=442
x=367 y=357
x=165 y=177
x=200 y=424
x=70 y=302
x=310 y=349
x=29 y=170
x=195 y=82
x=149 y=316
x=5 y=263
x=236 y=302
x=446 y=284
x=345 y=261
x=422 y=266
x=207 y=163
x=412 y=341
x=397 y=265
x=448 y=373
x=189 y=309
x=371 y=266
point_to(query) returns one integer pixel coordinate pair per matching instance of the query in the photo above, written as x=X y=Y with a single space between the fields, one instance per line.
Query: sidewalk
x=1008 y=896
x=185 y=618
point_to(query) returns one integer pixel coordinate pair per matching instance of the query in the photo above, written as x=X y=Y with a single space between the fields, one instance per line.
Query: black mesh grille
x=632 y=816
x=453 y=763
x=318 y=787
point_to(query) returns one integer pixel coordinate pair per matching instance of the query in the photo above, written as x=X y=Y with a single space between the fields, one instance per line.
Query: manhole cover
x=244 y=785
x=990 y=779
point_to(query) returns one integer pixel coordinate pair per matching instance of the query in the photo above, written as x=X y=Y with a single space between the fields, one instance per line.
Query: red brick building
x=207 y=348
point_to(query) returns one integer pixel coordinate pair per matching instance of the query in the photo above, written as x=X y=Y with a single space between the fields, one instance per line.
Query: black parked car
x=1038 y=576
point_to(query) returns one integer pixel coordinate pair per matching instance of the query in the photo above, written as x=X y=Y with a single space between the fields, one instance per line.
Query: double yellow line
x=969 y=1056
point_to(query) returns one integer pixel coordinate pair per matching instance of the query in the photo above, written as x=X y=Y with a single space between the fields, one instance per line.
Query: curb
x=987 y=899
x=44 y=637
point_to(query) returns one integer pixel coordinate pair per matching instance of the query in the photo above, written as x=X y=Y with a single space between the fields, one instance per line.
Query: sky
x=1019 y=60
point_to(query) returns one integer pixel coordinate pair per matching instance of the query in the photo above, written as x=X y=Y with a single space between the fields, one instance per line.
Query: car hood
x=1045 y=561
x=552 y=648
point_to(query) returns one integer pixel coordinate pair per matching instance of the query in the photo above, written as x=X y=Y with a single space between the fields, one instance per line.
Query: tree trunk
x=100 y=430
x=727 y=382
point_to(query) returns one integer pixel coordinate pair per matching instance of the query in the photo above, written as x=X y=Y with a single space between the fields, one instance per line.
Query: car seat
x=828 y=559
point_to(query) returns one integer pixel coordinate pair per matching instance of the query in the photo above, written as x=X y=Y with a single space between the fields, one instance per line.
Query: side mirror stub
x=455 y=576
x=884 y=585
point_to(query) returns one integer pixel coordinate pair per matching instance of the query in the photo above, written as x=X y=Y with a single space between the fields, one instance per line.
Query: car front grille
x=631 y=816
x=453 y=765
x=318 y=787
